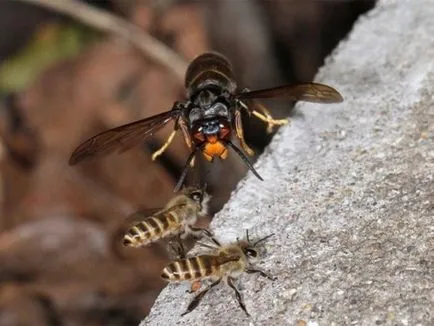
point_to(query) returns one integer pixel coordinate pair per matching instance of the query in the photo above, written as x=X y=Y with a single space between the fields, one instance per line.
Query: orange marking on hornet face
x=212 y=139
x=224 y=155
x=215 y=149
x=208 y=157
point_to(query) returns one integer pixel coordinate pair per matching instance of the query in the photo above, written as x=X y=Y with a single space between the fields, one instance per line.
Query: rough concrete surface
x=348 y=191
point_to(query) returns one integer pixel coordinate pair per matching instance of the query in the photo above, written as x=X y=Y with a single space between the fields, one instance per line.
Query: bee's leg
x=195 y=232
x=195 y=286
x=267 y=117
x=205 y=245
x=262 y=273
x=212 y=238
x=240 y=133
x=195 y=302
x=205 y=232
x=237 y=294
x=178 y=248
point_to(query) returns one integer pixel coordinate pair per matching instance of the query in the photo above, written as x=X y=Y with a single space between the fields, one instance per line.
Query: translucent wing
x=121 y=138
x=309 y=92
x=221 y=260
x=142 y=214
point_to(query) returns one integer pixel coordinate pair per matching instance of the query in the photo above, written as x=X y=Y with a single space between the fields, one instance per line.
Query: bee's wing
x=223 y=259
x=142 y=214
x=309 y=92
x=122 y=138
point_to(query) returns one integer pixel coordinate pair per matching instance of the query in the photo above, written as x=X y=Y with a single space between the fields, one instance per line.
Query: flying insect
x=224 y=263
x=209 y=116
x=175 y=220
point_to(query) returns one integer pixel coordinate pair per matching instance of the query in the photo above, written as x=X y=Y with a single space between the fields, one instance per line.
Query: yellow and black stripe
x=193 y=268
x=152 y=229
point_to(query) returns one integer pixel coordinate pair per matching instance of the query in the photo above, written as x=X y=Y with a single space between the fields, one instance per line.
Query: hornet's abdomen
x=152 y=229
x=209 y=69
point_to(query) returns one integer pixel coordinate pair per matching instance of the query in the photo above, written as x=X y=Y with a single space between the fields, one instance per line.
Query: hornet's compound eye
x=196 y=196
x=251 y=253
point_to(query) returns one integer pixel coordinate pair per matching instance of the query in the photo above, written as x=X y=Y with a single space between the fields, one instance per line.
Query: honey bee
x=224 y=263
x=175 y=220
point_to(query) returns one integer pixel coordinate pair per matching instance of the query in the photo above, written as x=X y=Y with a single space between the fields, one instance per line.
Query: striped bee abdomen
x=150 y=230
x=193 y=268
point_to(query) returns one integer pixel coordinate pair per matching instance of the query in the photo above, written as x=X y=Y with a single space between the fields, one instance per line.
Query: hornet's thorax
x=209 y=84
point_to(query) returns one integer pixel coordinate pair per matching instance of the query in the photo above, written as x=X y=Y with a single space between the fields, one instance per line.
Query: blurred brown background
x=61 y=82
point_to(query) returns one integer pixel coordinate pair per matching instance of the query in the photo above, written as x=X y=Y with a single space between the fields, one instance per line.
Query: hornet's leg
x=267 y=117
x=195 y=302
x=240 y=133
x=187 y=138
x=165 y=145
x=192 y=162
x=262 y=273
x=184 y=129
x=184 y=172
x=238 y=295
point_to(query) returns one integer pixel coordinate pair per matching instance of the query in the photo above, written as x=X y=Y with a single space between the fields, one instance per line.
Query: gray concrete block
x=348 y=191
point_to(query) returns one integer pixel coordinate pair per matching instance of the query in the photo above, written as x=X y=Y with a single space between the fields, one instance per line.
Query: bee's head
x=199 y=196
x=250 y=249
x=251 y=253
